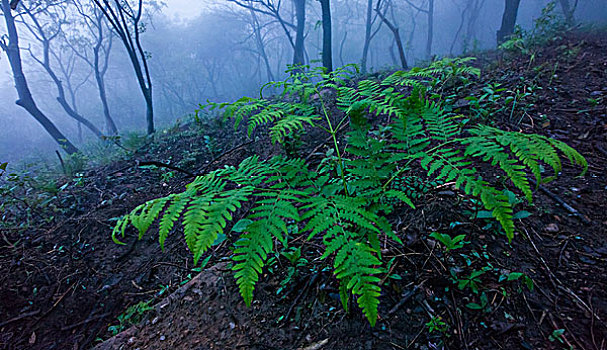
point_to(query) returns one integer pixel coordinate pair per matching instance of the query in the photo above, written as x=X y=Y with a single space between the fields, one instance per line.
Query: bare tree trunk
x=397 y=39
x=368 y=24
x=127 y=26
x=430 y=29
x=568 y=12
x=260 y=45
x=110 y=126
x=38 y=32
x=341 y=47
x=508 y=20
x=102 y=46
x=327 y=40
x=25 y=96
x=300 y=14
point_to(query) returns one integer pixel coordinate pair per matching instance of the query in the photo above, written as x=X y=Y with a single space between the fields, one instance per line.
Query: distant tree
x=10 y=45
x=327 y=39
x=46 y=34
x=568 y=11
x=395 y=31
x=300 y=16
x=126 y=19
x=260 y=44
x=429 y=11
x=93 y=45
x=508 y=20
x=273 y=9
x=369 y=34
x=469 y=17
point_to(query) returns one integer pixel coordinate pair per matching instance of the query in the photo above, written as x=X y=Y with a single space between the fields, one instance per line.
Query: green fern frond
x=253 y=247
x=177 y=204
x=289 y=124
x=574 y=156
x=440 y=126
x=356 y=267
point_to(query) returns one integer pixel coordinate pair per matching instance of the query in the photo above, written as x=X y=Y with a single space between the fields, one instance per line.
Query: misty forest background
x=214 y=50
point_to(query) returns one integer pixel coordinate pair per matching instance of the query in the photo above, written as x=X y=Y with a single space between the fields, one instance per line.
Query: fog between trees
x=86 y=82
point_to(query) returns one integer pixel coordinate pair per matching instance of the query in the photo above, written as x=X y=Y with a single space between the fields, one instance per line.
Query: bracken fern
x=346 y=199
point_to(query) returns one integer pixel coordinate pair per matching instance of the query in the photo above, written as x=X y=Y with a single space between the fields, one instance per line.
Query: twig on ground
x=405 y=299
x=204 y=169
x=562 y=202
x=20 y=317
x=561 y=286
x=55 y=304
x=72 y=326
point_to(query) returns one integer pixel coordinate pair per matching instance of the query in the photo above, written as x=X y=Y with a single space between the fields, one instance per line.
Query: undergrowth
x=346 y=200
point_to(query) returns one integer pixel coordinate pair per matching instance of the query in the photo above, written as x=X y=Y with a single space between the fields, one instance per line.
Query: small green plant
x=547 y=27
x=448 y=242
x=516 y=276
x=557 y=335
x=211 y=145
x=593 y=103
x=489 y=102
x=473 y=281
x=3 y=168
x=74 y=164
x=483 y=303
x=436 y=324
x=132 y=316
x=344 y=202
x=167 y=176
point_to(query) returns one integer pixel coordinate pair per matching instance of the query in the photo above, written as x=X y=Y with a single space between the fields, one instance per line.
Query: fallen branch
x=20 y=317
x=404 y=300
x=154 y=163
x=176 y=168
x=204 y=169
x=67 y=328
x=562 y=202
x=165 y=165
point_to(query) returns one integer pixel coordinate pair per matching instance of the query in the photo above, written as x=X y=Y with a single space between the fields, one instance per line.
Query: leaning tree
x=9 y=43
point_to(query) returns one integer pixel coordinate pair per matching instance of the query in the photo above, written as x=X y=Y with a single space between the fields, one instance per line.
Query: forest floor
x=66 y=285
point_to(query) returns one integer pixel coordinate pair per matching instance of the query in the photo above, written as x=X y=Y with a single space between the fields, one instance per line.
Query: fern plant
x=346 y=200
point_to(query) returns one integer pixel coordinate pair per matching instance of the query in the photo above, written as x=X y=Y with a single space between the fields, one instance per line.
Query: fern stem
x=333 y=134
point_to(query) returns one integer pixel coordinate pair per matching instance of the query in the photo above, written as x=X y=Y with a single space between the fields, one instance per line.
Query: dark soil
x=65 y=282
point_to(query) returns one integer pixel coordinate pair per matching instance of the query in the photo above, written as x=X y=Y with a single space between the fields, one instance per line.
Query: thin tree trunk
x=300 y=13
x=367 y=43
x=327 y=41
x=261 y=46
x=110 y=126
x=341 y=48
x=397 y=39
x=132 y=43
x=568 y=12
x=45 y=62
x=430 y=29
x=25 y=96
x=508 y=20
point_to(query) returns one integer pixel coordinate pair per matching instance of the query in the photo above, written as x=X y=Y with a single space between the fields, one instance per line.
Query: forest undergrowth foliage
x=346 y=200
